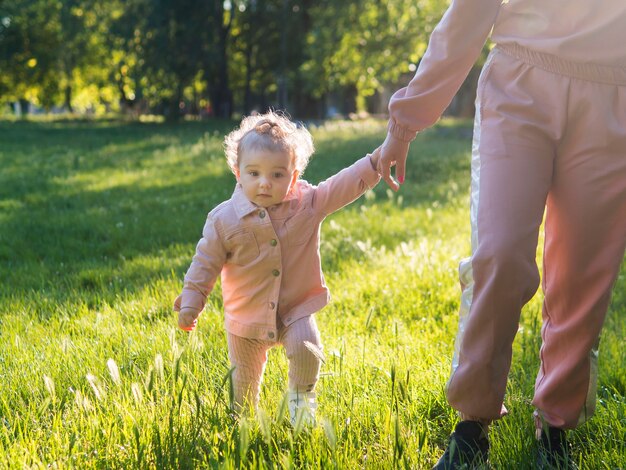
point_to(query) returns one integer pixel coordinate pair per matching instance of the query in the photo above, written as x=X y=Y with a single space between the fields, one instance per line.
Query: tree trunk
x=247 y=96
x=172 y=111
x=24 y=107
x=282 y=74
x=222 y=95
x=350 y=96
x=68 y=98
x=223 y=98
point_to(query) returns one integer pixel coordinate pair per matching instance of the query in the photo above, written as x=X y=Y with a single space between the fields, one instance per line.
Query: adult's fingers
x=384 y=168
x=400 y=170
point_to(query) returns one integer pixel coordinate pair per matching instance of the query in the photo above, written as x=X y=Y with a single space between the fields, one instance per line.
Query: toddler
x=264 y=243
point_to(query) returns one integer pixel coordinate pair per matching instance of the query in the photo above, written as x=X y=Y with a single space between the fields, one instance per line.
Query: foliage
x=28 y=45
x=52 y=51
x=160 y=52
x=175 y=57
x=98 y=222
x=270 y=46
x=367 y=43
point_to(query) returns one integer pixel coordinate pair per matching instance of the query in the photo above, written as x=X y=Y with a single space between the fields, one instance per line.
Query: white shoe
x=302 y=407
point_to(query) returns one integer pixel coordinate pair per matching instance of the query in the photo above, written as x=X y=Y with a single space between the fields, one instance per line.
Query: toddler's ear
x=237 y=173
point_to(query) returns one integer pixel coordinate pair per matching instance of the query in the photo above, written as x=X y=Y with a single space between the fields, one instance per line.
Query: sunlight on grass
x=98 y=223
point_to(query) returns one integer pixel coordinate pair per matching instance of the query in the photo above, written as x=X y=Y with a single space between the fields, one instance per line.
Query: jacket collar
x=244 y=207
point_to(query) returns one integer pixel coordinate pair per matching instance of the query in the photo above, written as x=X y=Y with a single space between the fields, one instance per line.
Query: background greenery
x=98 y=223
x=175 y=57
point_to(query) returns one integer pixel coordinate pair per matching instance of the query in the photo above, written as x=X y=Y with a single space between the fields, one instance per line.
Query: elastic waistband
x=591 y=72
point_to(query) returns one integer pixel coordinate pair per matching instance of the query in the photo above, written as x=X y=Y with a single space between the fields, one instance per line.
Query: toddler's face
x=266 y=177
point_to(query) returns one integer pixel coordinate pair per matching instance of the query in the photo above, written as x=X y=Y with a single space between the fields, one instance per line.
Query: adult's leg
x=585 y=239
x=519 y=115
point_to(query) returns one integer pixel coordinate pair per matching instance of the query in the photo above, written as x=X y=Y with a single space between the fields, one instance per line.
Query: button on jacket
x=269 y=258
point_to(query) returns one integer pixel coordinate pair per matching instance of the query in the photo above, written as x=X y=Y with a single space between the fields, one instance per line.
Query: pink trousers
x=548 y=135
x=303 y=346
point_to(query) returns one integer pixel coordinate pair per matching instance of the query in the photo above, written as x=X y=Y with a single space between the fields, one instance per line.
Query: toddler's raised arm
x=347 y=185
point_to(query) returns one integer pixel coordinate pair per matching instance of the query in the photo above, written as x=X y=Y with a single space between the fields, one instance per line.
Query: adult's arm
x=453 y=48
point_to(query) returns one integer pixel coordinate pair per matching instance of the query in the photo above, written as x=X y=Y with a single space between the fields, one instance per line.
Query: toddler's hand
x=187 y=320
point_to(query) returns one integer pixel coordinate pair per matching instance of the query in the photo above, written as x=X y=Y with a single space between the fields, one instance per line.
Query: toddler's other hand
x=187 y=320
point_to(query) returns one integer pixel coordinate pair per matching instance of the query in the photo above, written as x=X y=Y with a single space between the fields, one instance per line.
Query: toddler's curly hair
x=271 y=131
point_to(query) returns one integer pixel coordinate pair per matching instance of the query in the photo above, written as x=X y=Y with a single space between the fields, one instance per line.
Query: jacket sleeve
x=454 y=47
x=344 y=187
x=205 y=267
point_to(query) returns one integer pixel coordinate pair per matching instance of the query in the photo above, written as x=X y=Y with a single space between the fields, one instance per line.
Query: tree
x=221 y=18
x=366 y=44
x=28 y=44
x=76 y=17
x=48 y=45
x=269 y=43
x=164 y=55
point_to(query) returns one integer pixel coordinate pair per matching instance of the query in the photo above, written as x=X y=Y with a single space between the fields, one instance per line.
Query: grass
x=98 y=223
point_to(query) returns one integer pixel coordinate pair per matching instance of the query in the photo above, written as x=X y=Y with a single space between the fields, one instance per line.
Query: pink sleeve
x=344 y=187
x=454 y=47
x=205 y=267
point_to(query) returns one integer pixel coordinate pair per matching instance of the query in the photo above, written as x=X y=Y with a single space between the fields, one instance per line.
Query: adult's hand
x=393 y=152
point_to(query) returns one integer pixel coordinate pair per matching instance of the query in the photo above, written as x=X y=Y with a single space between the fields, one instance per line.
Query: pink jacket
x=269 y=259
x=591 y=33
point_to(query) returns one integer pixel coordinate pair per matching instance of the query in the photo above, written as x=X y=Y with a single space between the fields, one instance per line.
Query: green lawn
x=98 y=223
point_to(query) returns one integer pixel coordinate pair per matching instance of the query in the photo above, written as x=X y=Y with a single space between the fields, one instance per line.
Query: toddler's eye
x=254 y=173
x=278 y=175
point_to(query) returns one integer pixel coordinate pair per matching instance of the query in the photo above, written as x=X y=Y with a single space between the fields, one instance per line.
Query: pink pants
x=547 y=134
x=303 y=346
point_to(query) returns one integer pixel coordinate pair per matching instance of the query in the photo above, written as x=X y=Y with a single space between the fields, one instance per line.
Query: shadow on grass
x=58 y=234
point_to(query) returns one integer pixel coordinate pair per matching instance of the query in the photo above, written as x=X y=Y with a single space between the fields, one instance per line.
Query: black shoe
x=468 y=448
x=553 y=450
